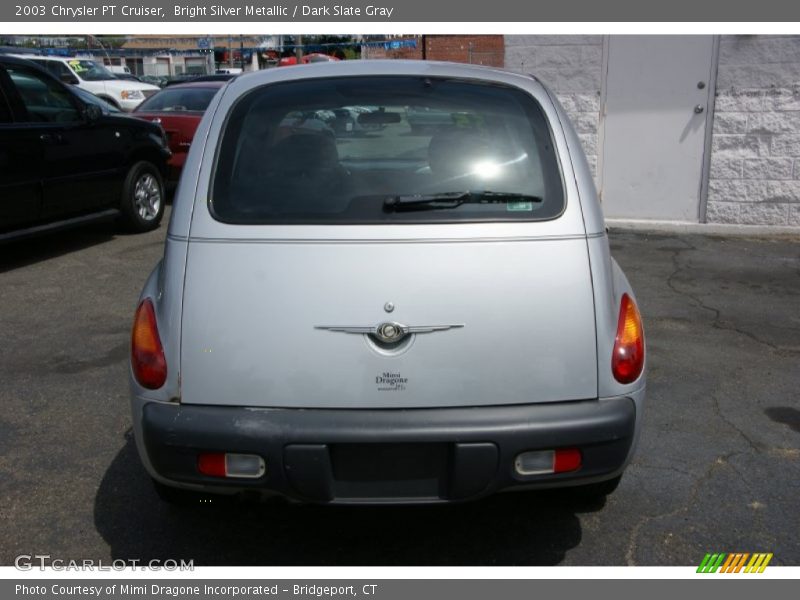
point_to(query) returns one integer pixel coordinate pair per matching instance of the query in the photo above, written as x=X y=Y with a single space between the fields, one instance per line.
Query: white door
x=162 y=67
x=654 y=126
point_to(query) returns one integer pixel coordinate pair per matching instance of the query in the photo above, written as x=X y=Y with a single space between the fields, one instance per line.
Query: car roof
x=62 y=58
x=17 y=60
x=34 y=58
x=378 y=68
x=242 y=84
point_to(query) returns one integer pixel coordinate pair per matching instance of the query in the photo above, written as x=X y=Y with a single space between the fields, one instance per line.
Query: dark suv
x=65 y=160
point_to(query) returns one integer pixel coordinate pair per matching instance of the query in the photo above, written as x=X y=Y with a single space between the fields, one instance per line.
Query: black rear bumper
x=415 y=455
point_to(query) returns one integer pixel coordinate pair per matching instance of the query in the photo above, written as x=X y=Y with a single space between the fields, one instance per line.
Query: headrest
x=454 y=152
x=305 y=151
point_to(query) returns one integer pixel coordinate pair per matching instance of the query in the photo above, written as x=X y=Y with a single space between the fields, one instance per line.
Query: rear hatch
x=525 y=324
x=311 y=242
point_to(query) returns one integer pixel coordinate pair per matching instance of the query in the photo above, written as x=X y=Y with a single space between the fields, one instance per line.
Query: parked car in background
x=126 y=77
x=90 y=98
x=95 y=78
x=313 y=57
x=213 y=77
x=156 y=80
x=389 y=318
x=351 y=120
x=66 y=158
x=428 y=120
x=178 y=109
x=198 y=78
x=317 y=57
x=176 y=79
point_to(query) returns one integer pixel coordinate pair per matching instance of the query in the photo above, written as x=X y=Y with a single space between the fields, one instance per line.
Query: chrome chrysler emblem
x=389 y=332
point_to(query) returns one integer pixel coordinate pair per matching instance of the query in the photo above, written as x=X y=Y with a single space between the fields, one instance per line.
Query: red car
x=179 y=108
x=314 y=57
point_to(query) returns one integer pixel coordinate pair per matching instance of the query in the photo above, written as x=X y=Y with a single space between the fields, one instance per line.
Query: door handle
x=699 y=109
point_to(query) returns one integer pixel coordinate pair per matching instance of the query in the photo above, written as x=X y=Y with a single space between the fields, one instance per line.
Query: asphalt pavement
x=717 y=468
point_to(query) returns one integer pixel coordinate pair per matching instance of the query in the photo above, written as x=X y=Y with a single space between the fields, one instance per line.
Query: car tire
x=143 y=198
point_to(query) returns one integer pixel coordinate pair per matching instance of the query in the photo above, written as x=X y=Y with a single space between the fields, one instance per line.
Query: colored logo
x=735 y=562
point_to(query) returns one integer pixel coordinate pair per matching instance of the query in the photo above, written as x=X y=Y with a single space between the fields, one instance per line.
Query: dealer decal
x=391 y=382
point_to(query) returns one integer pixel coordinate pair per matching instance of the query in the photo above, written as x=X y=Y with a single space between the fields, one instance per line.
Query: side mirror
x=92 y=113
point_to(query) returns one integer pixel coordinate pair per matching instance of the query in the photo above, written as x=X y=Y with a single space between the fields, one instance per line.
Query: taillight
x=147 y=354
x=627 y=359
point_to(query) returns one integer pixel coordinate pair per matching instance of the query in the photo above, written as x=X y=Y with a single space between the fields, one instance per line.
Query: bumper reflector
x=542 y=462
x=221 y=464
x=244 y=465
x=566 y=460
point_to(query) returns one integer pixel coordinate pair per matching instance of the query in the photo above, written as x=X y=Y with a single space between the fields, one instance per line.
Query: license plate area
x=390 y=470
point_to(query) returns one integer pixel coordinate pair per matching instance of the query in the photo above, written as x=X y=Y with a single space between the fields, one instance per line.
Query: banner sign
x=407 y=11
x=380 y=589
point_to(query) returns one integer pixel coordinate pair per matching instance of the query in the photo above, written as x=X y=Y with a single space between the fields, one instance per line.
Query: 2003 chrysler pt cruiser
x=378 y=314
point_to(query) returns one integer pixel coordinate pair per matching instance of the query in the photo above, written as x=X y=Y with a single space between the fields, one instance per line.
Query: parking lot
x=716 y=470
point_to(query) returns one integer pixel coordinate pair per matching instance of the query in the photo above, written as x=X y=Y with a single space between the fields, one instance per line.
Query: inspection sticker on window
x=519 y=206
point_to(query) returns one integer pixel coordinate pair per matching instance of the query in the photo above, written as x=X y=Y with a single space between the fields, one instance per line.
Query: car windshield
x=178 y=100
x=383 y=150
x=89 y=70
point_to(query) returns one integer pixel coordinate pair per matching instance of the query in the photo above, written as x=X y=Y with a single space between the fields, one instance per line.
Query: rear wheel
x=143 y=197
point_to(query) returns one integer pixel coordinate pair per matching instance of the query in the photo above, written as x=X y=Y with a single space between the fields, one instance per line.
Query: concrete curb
x=702 y=228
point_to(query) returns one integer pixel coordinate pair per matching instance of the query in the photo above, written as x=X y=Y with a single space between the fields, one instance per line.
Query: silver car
x=403 y=317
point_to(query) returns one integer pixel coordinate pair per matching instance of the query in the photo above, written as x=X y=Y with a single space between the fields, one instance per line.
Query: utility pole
x=298 y=49
x=241 y=52
x=211 y=65
x=89 y=39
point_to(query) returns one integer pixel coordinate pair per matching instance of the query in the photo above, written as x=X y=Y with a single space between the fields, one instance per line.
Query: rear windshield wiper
x=454 y=200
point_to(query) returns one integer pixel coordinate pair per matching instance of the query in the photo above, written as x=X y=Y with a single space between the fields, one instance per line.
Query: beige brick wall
x=755 y=151
x=571 y=66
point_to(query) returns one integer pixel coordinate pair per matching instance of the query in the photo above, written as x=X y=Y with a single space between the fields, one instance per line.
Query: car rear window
x=385 y=150
x=178 y=100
